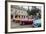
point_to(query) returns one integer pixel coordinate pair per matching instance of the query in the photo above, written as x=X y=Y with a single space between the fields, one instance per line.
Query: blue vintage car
x=37 y=23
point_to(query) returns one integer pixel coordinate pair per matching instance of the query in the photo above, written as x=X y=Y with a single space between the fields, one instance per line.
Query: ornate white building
x=18 y=12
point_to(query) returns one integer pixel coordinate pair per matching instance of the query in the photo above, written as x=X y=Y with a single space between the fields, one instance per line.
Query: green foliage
x=33 y=11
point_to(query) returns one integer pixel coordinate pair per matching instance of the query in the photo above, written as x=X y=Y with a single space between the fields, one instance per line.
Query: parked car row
x=33 y=22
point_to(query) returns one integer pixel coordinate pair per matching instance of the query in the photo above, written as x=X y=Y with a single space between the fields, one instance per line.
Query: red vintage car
x=26 y=22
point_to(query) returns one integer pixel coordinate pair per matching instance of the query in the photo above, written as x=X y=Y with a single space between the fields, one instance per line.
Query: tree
x=28 y=11
x=33 y=11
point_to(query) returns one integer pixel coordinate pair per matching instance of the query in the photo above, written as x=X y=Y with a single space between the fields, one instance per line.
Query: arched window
x=11 y=16
x=19 y=16
x=16 y=16
x=24 y=16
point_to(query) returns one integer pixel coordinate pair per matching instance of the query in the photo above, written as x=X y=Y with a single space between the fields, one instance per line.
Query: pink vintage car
x=26 y=21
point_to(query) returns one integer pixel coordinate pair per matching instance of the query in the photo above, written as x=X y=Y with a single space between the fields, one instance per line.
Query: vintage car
x=37 y=23
x=26 y=22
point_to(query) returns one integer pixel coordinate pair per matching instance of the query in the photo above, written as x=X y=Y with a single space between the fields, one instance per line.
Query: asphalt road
x=17 y=25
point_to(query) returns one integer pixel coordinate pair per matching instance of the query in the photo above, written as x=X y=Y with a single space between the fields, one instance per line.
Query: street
x=17 y=25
